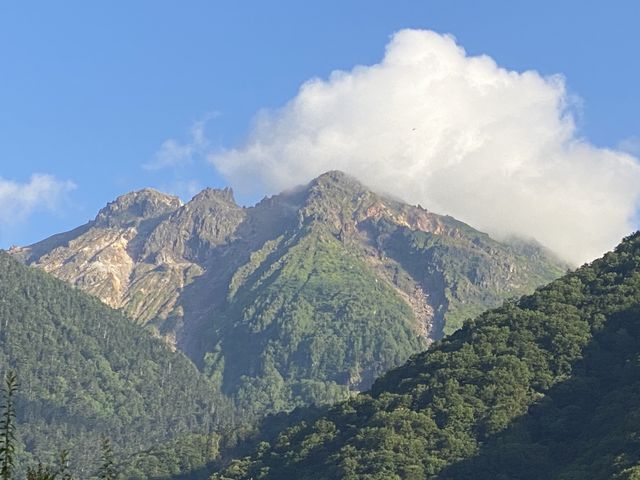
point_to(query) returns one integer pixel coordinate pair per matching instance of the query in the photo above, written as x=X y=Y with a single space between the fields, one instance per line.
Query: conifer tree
x=7 y=427
x=63 y=465
x=108 y=468
x=41 y=473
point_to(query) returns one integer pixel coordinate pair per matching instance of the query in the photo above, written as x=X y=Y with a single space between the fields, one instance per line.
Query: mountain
x=85 y=370
x=544 y=387
x=305 y=297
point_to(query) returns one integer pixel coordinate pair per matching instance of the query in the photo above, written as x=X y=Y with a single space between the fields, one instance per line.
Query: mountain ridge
x=321 y=260
x=547 y=386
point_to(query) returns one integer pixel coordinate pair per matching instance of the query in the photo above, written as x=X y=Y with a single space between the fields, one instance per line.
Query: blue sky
x=90 y=91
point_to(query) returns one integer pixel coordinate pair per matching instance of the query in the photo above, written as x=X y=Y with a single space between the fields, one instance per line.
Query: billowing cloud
x=41 y=192
x=459 y=135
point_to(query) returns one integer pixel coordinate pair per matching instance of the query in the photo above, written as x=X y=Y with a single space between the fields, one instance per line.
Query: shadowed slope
x=558 y=363
x=85 y=370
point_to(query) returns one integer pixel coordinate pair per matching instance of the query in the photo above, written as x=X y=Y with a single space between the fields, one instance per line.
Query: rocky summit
x=303 y=298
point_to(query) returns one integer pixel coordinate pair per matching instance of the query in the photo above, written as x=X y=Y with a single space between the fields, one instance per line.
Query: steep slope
x=312 y=340
x=303 y=298
x=546 y=387
x=85 y=370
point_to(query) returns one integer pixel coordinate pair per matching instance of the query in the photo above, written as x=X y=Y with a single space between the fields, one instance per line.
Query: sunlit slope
x=304 y=298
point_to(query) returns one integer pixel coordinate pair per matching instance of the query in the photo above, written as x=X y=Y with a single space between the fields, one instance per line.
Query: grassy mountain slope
x=316 y=323
x=350 y=289
x=86 y=370
x=304 y=298
x=545 y=387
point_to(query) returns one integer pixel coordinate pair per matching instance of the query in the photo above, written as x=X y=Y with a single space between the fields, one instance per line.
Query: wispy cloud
x=41 y=192
x=174 y=153
x=496 y=148
x=630 y=145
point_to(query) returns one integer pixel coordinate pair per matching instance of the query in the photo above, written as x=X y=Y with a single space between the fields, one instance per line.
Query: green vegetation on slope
x=466 y=272
x=86 y=370
x=302 y=299
x=351 y=290
x=546 y=387
x=307 y=324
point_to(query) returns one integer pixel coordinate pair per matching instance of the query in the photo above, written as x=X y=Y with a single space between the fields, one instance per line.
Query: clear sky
x=101 y=96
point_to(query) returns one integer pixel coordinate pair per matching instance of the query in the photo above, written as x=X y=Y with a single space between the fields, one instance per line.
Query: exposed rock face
x=136 y=207
x=191 y=232
x=210 y=274
x=100 y=256
x=141 y=250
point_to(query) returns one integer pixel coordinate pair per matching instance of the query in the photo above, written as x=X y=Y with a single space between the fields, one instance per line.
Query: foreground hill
x=301 y=299
x=85 y=371
x=545 y=387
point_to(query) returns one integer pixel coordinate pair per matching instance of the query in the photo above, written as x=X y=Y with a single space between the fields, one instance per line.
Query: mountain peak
x=331 y=266
x=215 y=194
x=133 y=207
x=336 y=186
x=337 y=178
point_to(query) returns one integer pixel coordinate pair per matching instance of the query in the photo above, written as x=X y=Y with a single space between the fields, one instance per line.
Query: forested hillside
x=545 y=387
x=304 y=298
x=84 y=371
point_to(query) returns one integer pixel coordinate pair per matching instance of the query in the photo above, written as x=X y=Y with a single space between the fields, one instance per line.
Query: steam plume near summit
x=458 y=134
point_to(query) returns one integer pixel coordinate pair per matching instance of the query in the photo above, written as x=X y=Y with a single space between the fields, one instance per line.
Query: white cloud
x=458 y=134
x=173 y=153
x=19 y=200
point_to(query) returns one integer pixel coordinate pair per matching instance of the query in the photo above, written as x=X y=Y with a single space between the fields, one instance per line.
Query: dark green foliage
x=85 y=370
x=63 y=465
x=310 y=326
x=468 y=272
x=41 y=472
x=184 y=458
x=8 y=441
x=7 y=426
x=107 y=468
x=546 y=387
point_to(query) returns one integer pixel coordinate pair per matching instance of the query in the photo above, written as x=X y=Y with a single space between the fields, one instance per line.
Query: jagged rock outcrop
x=299 y=299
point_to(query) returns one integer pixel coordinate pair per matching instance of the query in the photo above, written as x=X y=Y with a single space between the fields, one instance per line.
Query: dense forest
x=317 y=323
x=544 y=387
x=84 y=371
